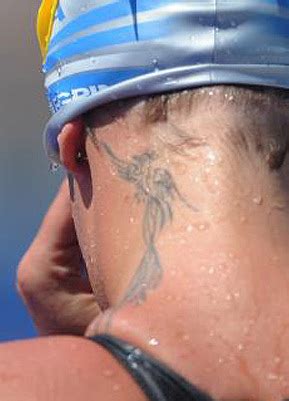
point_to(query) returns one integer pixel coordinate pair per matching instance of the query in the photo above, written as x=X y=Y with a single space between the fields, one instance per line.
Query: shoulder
x=62 y=368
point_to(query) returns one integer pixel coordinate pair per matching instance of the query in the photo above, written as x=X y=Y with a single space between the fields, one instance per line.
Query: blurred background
x=26 y=185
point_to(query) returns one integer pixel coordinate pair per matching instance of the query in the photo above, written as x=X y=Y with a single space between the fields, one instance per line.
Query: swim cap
x=97 y=51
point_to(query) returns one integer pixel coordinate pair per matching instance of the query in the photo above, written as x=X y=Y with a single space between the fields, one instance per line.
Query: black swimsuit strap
x=157 y=381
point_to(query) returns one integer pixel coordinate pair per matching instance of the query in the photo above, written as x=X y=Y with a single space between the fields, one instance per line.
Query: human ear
x=71 y=142
x=72 y=155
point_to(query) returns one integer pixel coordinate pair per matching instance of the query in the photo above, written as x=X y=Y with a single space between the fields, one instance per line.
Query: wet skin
x=216 y=239
x=218 y=312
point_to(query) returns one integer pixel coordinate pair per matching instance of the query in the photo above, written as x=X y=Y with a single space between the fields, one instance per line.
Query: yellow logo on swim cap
x=46 y=15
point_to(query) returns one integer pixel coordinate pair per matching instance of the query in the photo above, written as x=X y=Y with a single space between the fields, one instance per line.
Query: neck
x=196 y=194
x=224 y=285
x=216 y=204
x=198 y=240
x=214 y=215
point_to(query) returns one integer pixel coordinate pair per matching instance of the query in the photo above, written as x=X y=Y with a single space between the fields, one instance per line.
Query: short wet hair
x=262 y=115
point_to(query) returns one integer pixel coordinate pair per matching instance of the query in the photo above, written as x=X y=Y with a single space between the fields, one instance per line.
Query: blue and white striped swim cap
x=97 y=51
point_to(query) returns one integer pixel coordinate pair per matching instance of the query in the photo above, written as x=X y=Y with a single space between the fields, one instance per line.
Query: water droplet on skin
x=131 y=220
x=272 y=377
x=211 y=270
x=90 y=260
x=211 y=93
x=203 y=226
x=229 y=297
x=189 y=228
x=243 y=219
x=231 y=98
x=108 y=373
x=221 y=360
x=116 y=387
x=185 y=337
x=277 y=360
x=154 y=342
x=240 y=347
x=212 y=157
x=258 y=200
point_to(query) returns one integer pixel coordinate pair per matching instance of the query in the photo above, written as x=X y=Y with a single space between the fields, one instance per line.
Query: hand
x=49 y=280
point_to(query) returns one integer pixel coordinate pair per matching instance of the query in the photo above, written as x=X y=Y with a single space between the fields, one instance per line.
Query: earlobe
x=71 y=142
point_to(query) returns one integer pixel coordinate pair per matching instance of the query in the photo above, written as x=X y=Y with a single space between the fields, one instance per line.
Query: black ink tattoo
x=155 y=187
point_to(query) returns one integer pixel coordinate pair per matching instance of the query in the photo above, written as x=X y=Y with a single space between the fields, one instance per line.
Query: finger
x=50 y=282
x=57 y=229
x=55 y=253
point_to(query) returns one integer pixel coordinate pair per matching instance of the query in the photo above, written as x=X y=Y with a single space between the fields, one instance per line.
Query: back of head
x=209 y=154
x=96 y=52
x=178 y=176
x=176 y=63
x=248 y=119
